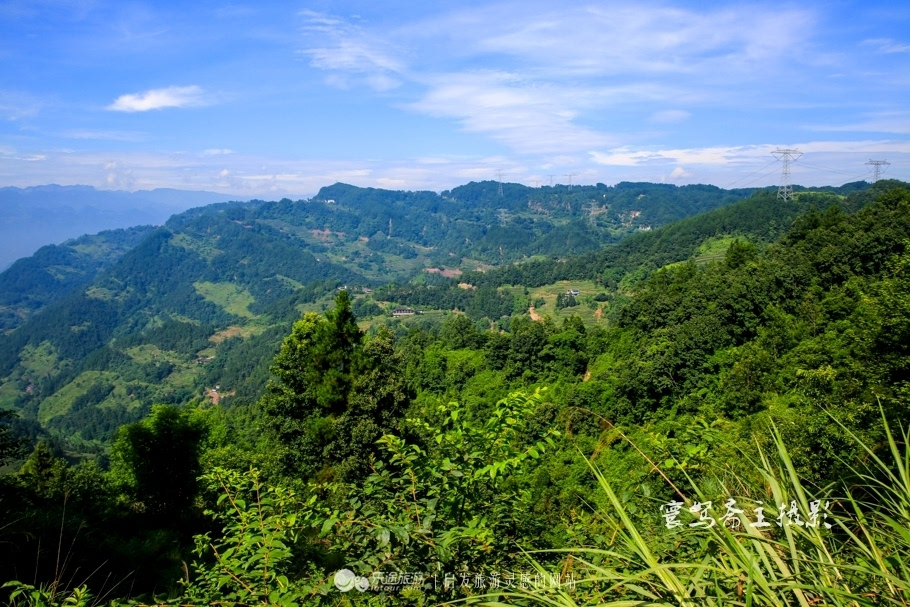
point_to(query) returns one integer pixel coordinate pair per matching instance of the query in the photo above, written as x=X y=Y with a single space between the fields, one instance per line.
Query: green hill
x=54 y=271
x=195 y=310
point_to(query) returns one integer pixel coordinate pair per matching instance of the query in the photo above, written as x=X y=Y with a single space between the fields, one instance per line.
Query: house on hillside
x=403 y=312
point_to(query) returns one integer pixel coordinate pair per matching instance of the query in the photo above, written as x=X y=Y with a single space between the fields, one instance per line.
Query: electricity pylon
x=785 y=191
x=877 y=168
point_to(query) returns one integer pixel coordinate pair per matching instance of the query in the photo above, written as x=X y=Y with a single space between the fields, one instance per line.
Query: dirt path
x=534 y=315
x=216 y=396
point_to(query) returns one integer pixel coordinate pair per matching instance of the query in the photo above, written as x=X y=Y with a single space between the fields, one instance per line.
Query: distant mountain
x=33 y=217
x=197 y=307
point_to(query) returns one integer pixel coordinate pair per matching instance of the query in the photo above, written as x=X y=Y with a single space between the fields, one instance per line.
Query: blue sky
x=278 y=99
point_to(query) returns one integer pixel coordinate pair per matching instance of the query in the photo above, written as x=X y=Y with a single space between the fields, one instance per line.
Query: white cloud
x=562 y=73
x=118 y=176
x=706 y=156
x=217 y=152
x=527 y=116
x=133 y=136
x=390 y=184
x=886 y=45
x=670 y=116
x=887 y=122
x=156 y=99
x=679 y=174
x=631 y=38
x=16 y=106
x=344 y=47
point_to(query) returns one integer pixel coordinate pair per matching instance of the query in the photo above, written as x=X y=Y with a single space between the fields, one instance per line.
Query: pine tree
x=327 y=383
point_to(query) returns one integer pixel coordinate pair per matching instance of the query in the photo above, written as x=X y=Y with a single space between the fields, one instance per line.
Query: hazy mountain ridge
x=36 y=216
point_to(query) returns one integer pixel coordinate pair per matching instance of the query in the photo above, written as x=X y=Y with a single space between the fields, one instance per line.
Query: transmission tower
x=877 y=168
x=551 y=179
x=499 y=174
x=785 y=191
x=570 y=176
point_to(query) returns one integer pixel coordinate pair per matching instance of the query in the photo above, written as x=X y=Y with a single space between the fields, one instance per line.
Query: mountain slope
x=56 y=270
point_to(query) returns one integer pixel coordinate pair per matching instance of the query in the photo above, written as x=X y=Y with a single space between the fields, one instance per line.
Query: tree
x=157 y=461
x=10 y=447
x=332 y=395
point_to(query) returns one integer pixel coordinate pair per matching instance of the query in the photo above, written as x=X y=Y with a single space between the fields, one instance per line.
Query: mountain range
x=99 y=328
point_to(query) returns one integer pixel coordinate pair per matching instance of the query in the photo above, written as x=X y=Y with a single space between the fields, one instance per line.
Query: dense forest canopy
x=636 y=405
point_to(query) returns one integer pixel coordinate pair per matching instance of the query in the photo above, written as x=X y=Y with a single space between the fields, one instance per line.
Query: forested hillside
x=55 y=271
x=718 y=421
x=197 y=308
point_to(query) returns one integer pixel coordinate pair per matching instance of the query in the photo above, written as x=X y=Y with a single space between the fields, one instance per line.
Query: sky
x=274 y=99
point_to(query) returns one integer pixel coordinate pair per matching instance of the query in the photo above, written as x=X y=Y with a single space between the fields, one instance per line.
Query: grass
x=384 y=319
x=587 y=289
x=40 y=361
x=862 y=560
x=205 y=249
x=242 y=331
x=227 y=296
x=60 y=401
x=150 y=353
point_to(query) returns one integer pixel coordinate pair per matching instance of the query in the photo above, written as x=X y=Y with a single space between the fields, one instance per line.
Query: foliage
x=451 y=504
x=856 y=555
x=714 y=330
x=333 y=396
x=30 y=596
x=10 y=446
x=250 y=560
x=157 y=462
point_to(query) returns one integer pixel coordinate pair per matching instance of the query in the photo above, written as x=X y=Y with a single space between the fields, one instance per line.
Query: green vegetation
x=55 y=271
x=245 y=271
x=570 y=456
x=227 y=296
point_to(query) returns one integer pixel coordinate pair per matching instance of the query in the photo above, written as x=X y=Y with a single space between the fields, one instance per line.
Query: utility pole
x=570 y=176
x=785 y=191
x=499 y=175
x=877 y=168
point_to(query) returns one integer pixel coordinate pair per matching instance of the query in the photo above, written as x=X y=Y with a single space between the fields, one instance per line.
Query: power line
x=815 y=166
x=752 y=173
x=762 y=176
x=570 y=176
x=785 y=191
